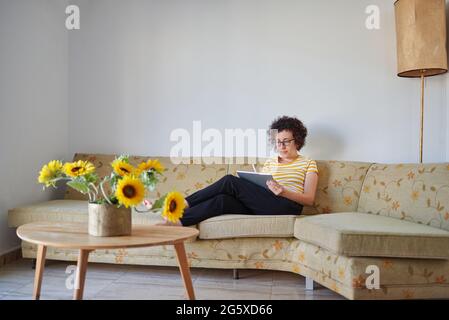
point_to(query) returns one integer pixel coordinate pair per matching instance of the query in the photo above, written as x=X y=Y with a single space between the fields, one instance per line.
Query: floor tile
x=304 y=297
x=131 y=278
x=18 y=264
x=160 y=271
x=259 y=277
x=289 y=279
x=94 y=270
x=62 y=288
x=300 y=289
x=18 y=276
x=134 y=291
x=7 y=287
x=238 y=285
x=111 y=281
x=14 y=296
x=209 y=293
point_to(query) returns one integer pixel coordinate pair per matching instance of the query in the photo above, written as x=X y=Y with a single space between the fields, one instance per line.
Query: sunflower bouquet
x=128 y=184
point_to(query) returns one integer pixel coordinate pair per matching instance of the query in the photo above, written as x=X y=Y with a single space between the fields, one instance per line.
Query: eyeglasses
x=284 y=143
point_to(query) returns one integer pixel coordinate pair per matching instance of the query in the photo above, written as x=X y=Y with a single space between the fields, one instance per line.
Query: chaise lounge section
x=393 y=218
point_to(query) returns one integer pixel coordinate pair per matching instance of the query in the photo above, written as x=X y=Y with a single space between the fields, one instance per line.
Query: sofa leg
x=309 y=284
x=33 y=264
x=235 y=273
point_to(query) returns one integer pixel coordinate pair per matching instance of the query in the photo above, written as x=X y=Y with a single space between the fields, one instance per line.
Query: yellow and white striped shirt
x=290 y=175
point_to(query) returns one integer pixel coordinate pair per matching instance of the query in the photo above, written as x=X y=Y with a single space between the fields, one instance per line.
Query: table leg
x=40 y=265
x=184 y=268
x=83 y=257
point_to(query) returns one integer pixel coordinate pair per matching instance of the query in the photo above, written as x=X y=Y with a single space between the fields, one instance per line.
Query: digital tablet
x=256 y=177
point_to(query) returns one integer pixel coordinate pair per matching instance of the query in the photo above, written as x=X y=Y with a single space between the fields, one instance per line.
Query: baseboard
x=10 y=256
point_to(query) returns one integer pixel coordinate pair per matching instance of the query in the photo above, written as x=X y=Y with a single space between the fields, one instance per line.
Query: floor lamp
x=421 y=43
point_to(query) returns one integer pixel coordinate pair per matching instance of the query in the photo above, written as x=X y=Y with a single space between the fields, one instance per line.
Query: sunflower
x=78 y=168
x=173 y=206
x=50 y=171
x=151 y=164
x=130 y=191
x=123 y=168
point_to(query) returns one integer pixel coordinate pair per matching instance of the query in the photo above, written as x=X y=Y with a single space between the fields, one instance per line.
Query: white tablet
x=255 y=177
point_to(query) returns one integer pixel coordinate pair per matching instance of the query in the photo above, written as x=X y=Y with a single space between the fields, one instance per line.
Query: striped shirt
x=290 y=175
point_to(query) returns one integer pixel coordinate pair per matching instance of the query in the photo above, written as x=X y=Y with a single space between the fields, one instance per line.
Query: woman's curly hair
x=294 y=125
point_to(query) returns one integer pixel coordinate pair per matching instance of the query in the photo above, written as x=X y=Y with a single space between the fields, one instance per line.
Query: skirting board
x=10 y=256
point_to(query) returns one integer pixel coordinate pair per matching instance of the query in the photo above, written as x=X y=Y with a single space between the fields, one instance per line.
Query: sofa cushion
x=413 y=192
x=65 y=210
x=245 y=226
x=368 y=235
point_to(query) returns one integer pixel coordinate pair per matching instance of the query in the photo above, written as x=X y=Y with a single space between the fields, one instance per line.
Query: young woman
x=294 y=185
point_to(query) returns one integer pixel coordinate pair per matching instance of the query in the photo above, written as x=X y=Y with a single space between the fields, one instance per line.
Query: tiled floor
x=105 y=281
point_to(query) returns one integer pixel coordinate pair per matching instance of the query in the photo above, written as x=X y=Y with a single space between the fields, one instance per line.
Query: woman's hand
x=275 y=187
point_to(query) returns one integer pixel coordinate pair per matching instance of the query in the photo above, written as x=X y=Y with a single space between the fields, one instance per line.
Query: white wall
x=33 y=101
x=446 y=117
x=139 y=69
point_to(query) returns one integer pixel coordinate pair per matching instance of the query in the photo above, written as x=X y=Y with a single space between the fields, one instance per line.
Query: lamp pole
x=421 y=139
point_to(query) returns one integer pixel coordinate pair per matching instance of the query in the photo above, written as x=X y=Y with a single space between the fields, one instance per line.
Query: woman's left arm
x=307 y=198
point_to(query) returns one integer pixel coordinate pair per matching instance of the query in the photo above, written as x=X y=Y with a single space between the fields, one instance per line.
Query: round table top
x=74 y=235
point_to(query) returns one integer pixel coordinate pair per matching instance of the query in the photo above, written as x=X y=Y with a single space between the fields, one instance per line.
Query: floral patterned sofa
x=391 y=216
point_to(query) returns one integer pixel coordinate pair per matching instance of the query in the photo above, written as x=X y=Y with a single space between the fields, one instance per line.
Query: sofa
x=393 y=218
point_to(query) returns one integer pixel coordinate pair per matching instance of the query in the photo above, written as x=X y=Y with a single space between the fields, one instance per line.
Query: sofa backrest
x=339 y=184
x=185 y=178
x=413 y=192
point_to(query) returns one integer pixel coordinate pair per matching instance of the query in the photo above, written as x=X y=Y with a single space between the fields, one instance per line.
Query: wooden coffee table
x=74 y=236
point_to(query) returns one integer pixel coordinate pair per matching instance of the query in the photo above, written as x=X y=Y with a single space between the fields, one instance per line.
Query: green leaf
x=78 y=186
x=114 y=180
x=159 y=203
x=114 y=200
x=124 y=158
x=91 y=178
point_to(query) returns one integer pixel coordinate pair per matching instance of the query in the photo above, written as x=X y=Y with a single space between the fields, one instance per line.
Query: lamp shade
x=421 y=37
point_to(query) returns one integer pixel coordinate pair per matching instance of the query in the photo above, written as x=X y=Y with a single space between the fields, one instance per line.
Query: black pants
x=233 y=195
